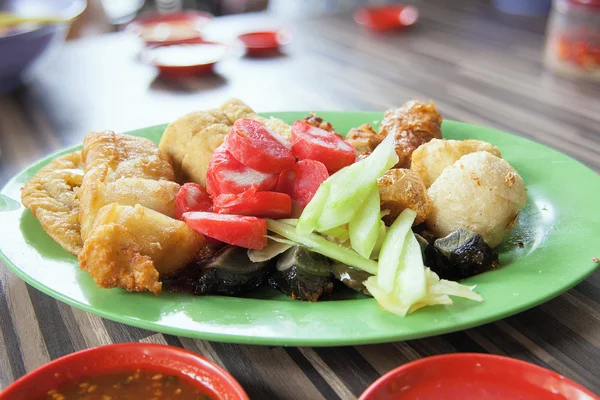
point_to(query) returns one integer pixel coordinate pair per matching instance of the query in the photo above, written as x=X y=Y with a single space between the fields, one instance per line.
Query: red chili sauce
x=139 y=384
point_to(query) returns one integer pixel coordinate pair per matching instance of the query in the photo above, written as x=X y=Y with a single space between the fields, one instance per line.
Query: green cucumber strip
x=410 y=283
x=320 y=245
x=380 y=236
x=351 y=186
x=391 y=250
x=364 y=227
x=339 y=232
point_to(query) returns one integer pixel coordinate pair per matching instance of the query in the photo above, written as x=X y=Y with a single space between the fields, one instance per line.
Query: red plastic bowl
x=469 y=376
x=264 y=42
x=171 y=28
x=125 y=356
x=387 y=17
x=192 y=58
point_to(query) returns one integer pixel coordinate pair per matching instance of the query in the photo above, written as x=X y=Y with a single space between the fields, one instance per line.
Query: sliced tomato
x=227 y=175
x=258 y=147
x=301 y=183
x=192 y=197
x=247 y=232
x=312 y=143
x=254 y=203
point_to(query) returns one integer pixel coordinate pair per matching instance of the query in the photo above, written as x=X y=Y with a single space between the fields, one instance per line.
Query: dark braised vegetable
x=302 y=274
x=228 y=272
x=460 y=255
x=351 y=277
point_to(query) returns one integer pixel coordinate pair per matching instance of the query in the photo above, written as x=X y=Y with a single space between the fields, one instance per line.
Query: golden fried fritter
x=400 y=189
x=236 y=109
x=364 y=140
x=177 y=138
x=109 y=157
x=318 y=122
x=200 y=149
x=51 y=196
x=133 y=246
x=156 y=195
x=412 y=125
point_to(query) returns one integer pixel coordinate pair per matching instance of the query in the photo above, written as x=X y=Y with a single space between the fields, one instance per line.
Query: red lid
x=386 y=17
x=264 y=42
x=586 y=3
x=469 y=376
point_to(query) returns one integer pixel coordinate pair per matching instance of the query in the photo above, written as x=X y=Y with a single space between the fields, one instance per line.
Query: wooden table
x=479 y=66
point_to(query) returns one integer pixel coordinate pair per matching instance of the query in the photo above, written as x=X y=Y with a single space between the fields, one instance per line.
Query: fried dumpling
x=109 y=157
x=132 y=247
x=51 y=196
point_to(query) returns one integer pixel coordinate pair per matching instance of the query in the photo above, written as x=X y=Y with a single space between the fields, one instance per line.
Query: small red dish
x=171 y=28
x=264 y=42
x=125 y=357
x=193 y=58
x=387 y=17
x=470 y=376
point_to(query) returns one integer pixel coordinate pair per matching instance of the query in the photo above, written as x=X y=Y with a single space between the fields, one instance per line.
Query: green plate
x=549 y=251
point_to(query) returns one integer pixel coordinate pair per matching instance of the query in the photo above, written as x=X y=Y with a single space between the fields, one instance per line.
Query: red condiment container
x=573 y=39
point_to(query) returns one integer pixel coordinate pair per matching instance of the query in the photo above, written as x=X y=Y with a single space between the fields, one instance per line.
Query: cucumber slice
x=351 y=186
x=411 y=285
x=364 y=227
x=320 y=245
x=391 y=250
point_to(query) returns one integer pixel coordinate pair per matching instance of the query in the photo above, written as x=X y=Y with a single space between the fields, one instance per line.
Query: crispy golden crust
x=112 y=257
x=51 y=196
x=109 y=157
x=400 y=189
x=199 y=151
x=412 y=125
x=364 y=140
x=133 y=246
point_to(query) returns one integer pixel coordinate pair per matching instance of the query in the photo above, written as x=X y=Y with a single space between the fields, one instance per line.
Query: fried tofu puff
x=132 y=247
x=110 y=158
x=400 y=189
x=236 y=109
x=412 y=125
x=364 y=139
x=479 y=192
x=51 y=196
x=431 y=158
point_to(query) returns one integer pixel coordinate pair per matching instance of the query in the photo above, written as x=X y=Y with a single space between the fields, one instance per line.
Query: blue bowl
x=22 y=47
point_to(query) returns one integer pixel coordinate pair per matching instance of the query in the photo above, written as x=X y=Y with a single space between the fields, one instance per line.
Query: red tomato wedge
x=192 y=197
x=254 y=203
x=258 y=147
x=227 y=175
x=301 y=183
x=312 y=143
x=247 y=232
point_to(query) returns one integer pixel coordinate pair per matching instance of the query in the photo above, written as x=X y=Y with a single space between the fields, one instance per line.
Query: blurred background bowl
x=22 y=46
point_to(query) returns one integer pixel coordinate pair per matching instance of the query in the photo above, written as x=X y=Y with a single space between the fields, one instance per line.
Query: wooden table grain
x=478 y=65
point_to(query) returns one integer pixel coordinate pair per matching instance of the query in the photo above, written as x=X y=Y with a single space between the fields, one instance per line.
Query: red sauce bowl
x=264 y=42
x=387 y=17
x=171 y=28
x=179 y=60
x=473 y=376
x=125 y=357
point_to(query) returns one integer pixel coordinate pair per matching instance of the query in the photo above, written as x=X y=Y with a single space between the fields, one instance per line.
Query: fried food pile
x=113 y=204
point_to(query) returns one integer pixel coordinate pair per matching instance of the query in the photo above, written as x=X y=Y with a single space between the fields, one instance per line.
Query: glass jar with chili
x=573 y=39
